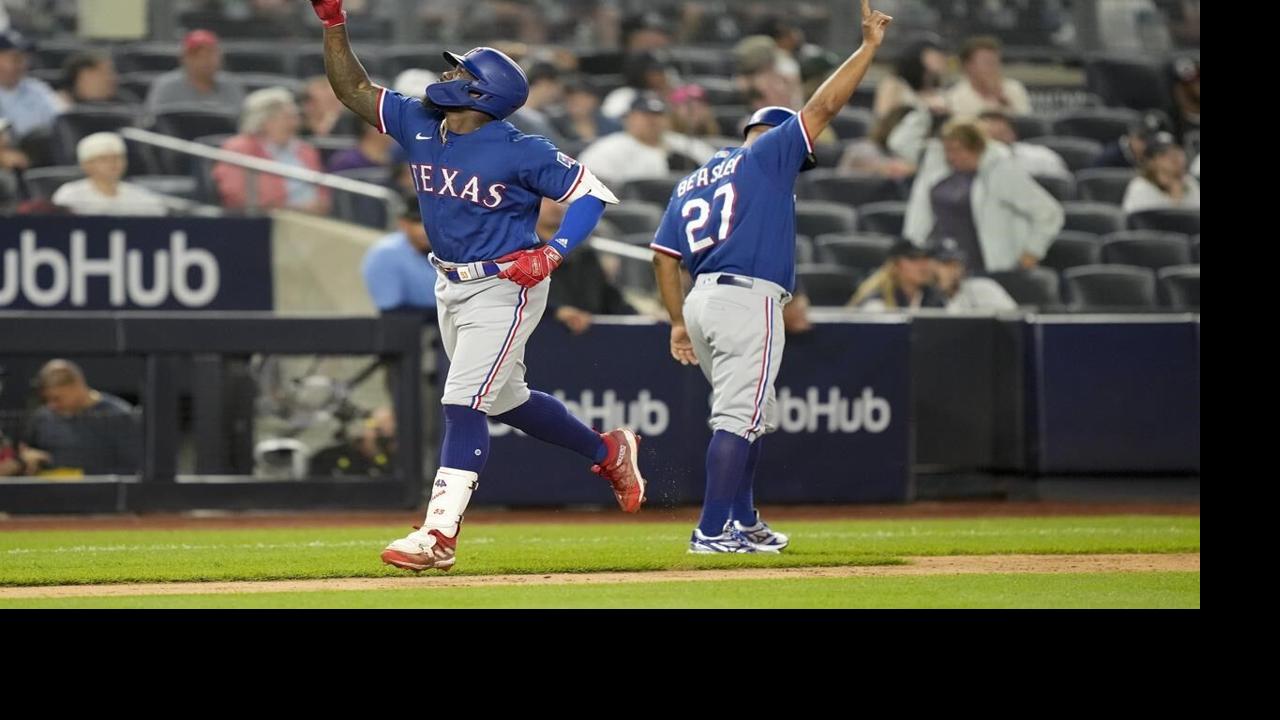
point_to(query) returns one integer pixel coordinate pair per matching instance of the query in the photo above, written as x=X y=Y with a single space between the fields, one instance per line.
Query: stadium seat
x=43 y=182
x=852 y=123
x=635 y=217
x=1108 y=288
x=329 y=146
x=652 y=190
x=730 y=118
x=882 y=217
x=827 y=285
x=1195 y=249
x=180 y=186
x=1128 y=81
x=190 y=122
x=1146 y=248
x=1077 y=153
x=817 y=217
x=139 y=83
x=1037 y=287
x=853 y=189
x=1106 y=185
x=1072 y=249
x=260 y=81
x=806 y=251
x=1182 y=221
x=1180 y=287
x=1096 y=218
x=1029 y=126
x=80 y=122
x=1101 y=124
x=258 y=59
x=398 y=58
x=148 y=58
x=864 y=252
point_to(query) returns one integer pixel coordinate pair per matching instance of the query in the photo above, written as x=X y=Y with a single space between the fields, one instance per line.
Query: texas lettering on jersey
x=445 y=182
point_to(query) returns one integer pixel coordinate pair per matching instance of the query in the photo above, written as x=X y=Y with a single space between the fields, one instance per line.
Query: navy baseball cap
x=907 y=249
x=650 y=104
x=948 y=250
x=13 y=40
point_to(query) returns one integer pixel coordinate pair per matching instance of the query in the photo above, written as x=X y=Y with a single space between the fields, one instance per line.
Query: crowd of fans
x=943 y=124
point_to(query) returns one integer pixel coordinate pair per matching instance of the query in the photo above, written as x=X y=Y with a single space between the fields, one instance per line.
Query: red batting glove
x=532 y=266
x=330 y=12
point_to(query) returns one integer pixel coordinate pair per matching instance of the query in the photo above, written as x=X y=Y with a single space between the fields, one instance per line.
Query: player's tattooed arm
x=348 y=77
x=666 y=270
x=834 y=94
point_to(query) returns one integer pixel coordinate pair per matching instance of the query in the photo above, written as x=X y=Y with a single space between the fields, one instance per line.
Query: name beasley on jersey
x=708 y=176
x=446 y=184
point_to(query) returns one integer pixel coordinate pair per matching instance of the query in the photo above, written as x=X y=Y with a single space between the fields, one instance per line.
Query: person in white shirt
x=102 y=156
x=1195 y=167
x=644 y=148
x=1163 y=181
x=984 y=86
x=963 y=293
x=1036 y=160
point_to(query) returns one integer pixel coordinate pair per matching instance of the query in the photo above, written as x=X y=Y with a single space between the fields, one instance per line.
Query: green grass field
x=39 y=558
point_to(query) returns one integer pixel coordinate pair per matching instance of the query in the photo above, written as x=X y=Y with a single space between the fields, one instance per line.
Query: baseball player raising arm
x=480 y=183
x=732 y=223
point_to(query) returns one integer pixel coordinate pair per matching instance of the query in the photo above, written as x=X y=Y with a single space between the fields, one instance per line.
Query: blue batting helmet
x=773 y=117
x=499 y=88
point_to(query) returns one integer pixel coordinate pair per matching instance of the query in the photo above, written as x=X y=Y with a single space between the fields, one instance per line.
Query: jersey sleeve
x=667 y=239
x=404 y=117
x=549 y=172
x=783 y=150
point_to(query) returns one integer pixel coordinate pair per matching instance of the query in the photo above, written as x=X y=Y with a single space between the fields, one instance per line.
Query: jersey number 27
x=700 y=210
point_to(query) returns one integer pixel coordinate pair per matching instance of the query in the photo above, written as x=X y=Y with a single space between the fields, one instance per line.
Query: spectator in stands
x=80 y=427
x=917 y=80
x=104 y=159
x=546 y=90
x=369 y=454
x=647 y=72
x=904 y=282
x=646 y=148
x=321 y=108
x=645 y=31
x=12 y=160
x=1036 y=160
x=872 y=155
x=28 y=103
x=374 y=150
x=1163 y=182
x=816 y=65
x=200 y=80
x=90 y=78
x=396 y=270
x=414 y=81
x=964 y=293
x=1127 y=150
x=1186 y=96
x=269 y=130
x=787 y=39
x=768 y=87
x=984 y=86
x=970 y=190
x=691 y=114
x=584 y=290
x=581 y=119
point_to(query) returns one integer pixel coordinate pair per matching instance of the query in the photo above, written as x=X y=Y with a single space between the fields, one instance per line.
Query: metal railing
x=258 y=166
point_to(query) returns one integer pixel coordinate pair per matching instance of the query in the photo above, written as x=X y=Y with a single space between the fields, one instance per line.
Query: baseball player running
x=732 y=224
x=480 y=183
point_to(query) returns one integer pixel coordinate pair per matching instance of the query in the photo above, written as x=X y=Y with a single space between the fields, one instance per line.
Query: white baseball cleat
x=422 y=550
x=729 y=541
x=760 y=535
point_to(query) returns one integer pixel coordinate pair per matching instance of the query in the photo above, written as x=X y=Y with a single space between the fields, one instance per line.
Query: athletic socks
x=466 y=439
x=547 y=419
x=744 y=508
x=727 y=456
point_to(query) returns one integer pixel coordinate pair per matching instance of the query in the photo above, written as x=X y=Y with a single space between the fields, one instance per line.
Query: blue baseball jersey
x=480 y=192
x=737 y=213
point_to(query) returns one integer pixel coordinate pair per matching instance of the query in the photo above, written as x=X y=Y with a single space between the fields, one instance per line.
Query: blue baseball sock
x=466 y=439
x=744 y=507
x=726 y=462
x=548 y=420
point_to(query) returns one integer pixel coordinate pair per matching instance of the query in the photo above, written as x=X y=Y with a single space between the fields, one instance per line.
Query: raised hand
x=330 y=12
x=873 y=24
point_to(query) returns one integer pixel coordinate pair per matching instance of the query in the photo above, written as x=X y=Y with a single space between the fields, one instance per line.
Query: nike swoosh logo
x=423 y=137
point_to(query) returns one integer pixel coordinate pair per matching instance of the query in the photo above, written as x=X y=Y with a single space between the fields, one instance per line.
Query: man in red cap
x=200 y=80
